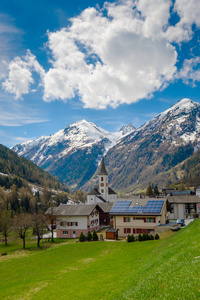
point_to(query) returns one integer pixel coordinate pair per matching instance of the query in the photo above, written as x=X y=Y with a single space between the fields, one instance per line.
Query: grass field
x=168 y=268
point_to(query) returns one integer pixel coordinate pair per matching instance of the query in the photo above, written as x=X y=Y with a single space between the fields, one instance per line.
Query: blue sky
x=110 y=63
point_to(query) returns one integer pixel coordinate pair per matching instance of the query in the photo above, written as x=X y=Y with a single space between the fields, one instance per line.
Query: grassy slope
x=165 y=269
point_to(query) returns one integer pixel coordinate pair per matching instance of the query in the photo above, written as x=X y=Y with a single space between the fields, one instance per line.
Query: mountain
x=20 y=171
x=156 y=147
x=72 y=153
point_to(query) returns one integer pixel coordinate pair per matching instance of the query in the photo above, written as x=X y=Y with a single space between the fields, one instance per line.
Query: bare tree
x=5 y=224
x=39 y=224
x=50 y=213
x=22 y=222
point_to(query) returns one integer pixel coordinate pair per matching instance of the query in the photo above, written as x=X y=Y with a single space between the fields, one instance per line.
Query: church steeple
x=103 y=181
x=103 y=168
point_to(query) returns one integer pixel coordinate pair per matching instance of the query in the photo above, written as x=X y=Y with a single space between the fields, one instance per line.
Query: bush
x=151 y=237
x=157 y=237
x=144 y=237
x=81 y=237
x=95 y=236
x=140 y=238
x=89 y=236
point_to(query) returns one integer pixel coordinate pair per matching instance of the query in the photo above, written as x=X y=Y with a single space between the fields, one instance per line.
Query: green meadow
x=168 y=268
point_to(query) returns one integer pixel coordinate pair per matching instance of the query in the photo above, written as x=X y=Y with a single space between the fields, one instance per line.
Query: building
x=71 y=220
x=139 y=216
x=102 y=193
x=183 y=206
x=112 y=234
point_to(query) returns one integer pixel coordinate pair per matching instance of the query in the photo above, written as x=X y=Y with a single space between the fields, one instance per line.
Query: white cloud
x=111 y=60
x=190 y=72
x=20 y=74
x=119 y=54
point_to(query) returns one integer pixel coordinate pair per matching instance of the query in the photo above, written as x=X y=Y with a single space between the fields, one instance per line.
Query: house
x=139 y=215
x=71 y=220
x=104 y=213
x=102 y=193
x=182 y=206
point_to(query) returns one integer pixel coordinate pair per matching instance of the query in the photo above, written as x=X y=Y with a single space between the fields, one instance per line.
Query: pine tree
x=95 y=236
x=89 y=236
x=156 y=191
x=149 y=191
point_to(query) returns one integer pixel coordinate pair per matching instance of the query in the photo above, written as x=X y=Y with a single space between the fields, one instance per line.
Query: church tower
x=103 y=181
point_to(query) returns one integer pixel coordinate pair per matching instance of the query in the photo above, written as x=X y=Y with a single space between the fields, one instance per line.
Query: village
x=122 y=217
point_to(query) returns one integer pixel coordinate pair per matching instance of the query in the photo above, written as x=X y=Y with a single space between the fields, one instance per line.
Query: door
x=74 y=234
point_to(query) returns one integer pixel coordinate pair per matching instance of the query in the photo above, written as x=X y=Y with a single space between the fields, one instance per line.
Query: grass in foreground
x=165 y=269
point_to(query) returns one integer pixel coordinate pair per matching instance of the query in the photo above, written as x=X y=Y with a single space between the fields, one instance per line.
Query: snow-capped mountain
x=158 y=145
x=79 y=143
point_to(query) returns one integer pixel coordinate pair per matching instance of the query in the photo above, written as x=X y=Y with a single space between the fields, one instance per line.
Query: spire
x=103 y=169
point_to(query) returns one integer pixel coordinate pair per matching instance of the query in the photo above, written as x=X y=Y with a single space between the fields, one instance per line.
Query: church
x=102 y=193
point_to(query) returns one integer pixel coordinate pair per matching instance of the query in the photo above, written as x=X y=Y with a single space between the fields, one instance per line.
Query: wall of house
x=65 y=229
x=136 y=225
x=91 y=199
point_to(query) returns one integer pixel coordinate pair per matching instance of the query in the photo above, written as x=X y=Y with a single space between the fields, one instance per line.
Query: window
x=74 y=223
x=102 y=191
x=172 y=208
x=102 y=184
x=128 y=230
x=101 y=178
x=127 y=219
x=150 y=220
x=138 y=230
x=138 y=218
x=65 y=232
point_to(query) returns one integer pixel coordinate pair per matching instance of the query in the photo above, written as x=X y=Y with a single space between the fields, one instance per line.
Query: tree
x=81 y=237
x=5 y=224
x=89 y=236
x=149 y=191
x=22 y=222
x=156 y=191
x=95 y=236
x=51 y=217
x=39 y=224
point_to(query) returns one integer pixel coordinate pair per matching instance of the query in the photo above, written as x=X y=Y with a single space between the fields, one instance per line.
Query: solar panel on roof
x=153 y=206
x=120 y=206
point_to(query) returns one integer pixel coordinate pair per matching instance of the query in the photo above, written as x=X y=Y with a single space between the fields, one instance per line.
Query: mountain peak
x=127 y=129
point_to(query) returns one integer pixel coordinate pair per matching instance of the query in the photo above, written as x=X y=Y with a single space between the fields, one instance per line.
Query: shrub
x=144 y=237
x=140 y=238
x=89 y=236
x=157 y=237
x=95 y=236
x=81 y=237
x=151 y=237
x=132 y=238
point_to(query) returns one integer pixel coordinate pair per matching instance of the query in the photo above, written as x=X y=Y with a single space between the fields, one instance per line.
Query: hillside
x=156 y=147
x=72 y=153
x=134 y=157
x=168 y=268
x=19 y=170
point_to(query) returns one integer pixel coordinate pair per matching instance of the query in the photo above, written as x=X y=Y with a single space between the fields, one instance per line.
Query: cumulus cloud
x=118 y=54
x=190 y=72
x=113 y=59
x=20 y=74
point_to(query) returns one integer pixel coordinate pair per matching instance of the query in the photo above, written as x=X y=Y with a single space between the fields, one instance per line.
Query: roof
x=101 y=198
x=73 y=210
x=177 y=193
x=103 y=169
x=95 y=191
x=138 y=207
x=106 y=207
x=111 y=230
x=184 y=199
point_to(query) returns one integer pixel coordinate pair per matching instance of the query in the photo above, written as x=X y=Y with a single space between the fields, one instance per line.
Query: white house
x=71 y=220
x=102 y=192
x=136 y=216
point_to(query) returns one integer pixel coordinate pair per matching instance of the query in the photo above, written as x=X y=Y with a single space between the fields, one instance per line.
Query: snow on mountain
x=75 y=136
